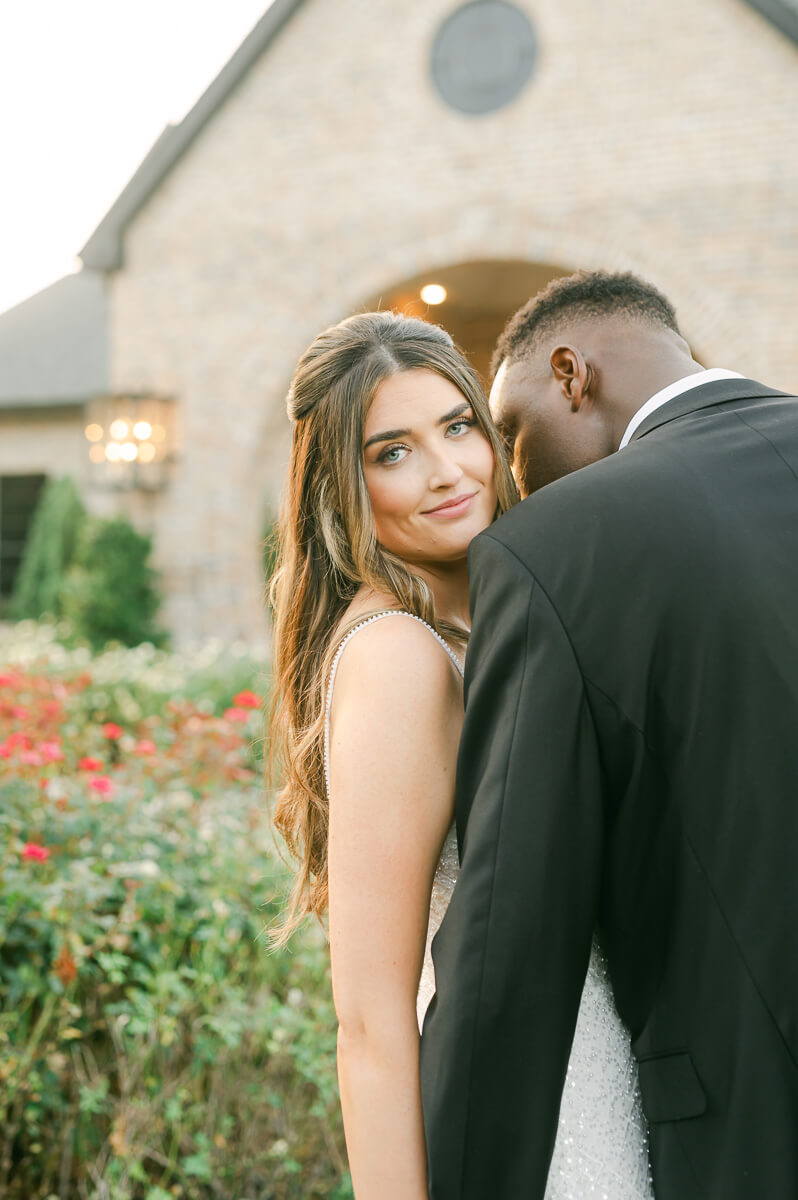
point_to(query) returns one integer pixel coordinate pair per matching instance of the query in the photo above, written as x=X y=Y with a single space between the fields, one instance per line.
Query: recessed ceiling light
x=433 y=293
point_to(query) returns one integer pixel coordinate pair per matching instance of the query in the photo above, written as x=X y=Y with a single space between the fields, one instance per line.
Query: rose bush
x=150 y=1045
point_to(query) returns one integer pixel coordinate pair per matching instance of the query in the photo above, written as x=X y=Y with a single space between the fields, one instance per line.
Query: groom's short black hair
x=584 y=294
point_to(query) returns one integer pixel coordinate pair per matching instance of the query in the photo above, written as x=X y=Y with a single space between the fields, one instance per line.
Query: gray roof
x=54 y=346
x=103 y=250
x=783 y=14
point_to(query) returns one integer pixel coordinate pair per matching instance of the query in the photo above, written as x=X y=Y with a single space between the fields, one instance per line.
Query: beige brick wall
x=656 y=137
x=45 y=442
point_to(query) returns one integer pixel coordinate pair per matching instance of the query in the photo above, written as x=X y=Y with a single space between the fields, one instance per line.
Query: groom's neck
x=642 y=367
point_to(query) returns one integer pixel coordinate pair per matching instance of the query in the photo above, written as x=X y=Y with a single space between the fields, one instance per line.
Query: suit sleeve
x=511 y=954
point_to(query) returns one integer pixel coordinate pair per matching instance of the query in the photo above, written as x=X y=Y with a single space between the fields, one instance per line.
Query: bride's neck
x=449 y=585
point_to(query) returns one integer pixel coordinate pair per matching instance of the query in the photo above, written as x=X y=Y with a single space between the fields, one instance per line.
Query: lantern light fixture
x=130 y=441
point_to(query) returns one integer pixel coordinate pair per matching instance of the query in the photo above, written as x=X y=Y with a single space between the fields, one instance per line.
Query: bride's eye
x=459 y=426
x=389 y=455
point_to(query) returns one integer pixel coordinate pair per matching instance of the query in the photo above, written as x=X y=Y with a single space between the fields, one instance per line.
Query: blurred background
x=191 y=192
x=336 y=155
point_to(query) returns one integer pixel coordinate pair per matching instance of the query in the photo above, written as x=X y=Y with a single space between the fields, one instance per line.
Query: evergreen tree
x=49 y=550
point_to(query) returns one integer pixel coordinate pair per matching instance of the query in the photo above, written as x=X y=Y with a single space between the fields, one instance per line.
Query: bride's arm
x=397 y=713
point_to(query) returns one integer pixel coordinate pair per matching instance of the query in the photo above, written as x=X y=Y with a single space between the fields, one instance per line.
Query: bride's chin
x=444 y=556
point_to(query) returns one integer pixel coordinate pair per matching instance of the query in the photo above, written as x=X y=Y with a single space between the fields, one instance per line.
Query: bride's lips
x=452 y=508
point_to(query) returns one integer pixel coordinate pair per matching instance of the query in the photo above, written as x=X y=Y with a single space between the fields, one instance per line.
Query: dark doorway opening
x=19 y=495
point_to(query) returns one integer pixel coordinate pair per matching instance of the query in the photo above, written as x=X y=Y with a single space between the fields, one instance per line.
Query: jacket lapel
x=722 y=391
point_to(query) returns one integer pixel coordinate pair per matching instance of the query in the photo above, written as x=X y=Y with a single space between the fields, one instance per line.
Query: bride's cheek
x=390 y=500
x=485 y=462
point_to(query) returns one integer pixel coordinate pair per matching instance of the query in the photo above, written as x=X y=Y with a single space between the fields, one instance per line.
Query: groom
x=629 y=761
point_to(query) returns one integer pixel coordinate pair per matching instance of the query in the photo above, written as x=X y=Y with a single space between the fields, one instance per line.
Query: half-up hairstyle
x=327 y=549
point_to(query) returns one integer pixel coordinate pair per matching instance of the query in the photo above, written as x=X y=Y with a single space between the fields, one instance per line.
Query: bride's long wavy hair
x=327 y=549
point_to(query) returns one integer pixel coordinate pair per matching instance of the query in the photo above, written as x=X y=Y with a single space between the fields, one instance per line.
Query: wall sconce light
x=131 y=441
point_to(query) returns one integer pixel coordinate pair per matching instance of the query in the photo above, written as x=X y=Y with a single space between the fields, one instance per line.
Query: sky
x=86 y=86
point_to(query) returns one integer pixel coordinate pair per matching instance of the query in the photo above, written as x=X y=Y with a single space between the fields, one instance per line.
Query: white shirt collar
x=698 y=379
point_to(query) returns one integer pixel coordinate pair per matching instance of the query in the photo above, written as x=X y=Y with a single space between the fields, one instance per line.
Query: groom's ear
x=572 y=373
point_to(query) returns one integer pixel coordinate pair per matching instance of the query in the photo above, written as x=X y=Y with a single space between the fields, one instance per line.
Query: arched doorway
x=474 y=301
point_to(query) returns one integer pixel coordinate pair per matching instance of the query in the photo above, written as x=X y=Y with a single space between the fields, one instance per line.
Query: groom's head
x=573 y=366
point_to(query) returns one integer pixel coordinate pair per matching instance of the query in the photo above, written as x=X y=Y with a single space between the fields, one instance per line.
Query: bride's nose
x=445 y=471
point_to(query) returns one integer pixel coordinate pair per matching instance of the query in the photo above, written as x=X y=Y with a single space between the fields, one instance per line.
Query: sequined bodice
x=601 y=1148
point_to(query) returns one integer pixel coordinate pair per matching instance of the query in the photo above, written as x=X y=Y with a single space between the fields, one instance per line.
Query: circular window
x=483 y=55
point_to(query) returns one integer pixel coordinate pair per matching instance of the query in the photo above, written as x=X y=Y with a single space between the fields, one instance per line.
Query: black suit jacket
x=629 y=763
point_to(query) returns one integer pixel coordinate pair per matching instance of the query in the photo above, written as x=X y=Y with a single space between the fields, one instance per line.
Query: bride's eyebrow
x=388 y=435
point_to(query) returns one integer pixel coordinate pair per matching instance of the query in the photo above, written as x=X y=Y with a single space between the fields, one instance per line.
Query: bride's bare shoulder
x=397 y=648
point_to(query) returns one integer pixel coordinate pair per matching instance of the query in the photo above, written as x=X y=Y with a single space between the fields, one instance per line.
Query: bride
x=395 y=467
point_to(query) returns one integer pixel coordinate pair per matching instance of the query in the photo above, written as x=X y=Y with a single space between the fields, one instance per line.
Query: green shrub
x=50 y=548
x=111 y=593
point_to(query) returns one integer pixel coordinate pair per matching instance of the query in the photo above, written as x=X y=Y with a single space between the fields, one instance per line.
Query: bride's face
x=429 y=468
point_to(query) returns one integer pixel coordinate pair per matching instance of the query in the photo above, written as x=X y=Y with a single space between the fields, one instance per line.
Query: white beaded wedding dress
x=601 y=1148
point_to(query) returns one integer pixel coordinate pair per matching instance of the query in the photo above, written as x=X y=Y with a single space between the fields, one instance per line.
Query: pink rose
x=111 y=730
x=35 y=852
x=247 y=700
x=50 y=751
x=90 y=764
x=103 y=786
x=236 y=714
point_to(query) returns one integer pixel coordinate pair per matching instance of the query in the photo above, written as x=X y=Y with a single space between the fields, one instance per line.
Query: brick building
x=350 y=152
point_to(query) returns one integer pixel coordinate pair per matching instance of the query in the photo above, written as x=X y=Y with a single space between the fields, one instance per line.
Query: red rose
x=110 y=730
x=247 y=700
x=90 y=764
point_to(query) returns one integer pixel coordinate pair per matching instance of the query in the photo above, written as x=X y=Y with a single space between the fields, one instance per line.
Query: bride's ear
x=573 y=374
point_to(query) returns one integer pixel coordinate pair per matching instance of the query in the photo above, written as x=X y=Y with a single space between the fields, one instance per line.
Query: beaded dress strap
x=388 y=612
